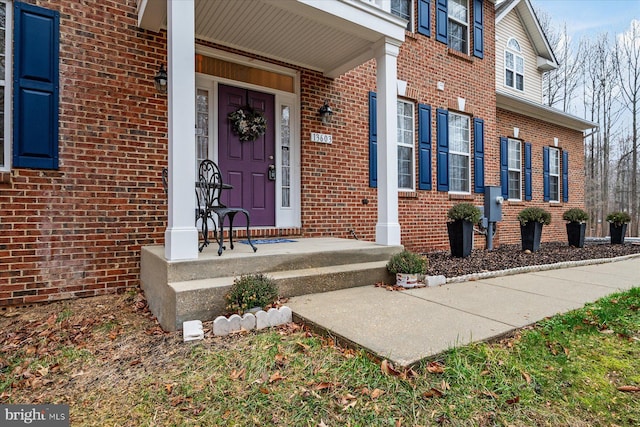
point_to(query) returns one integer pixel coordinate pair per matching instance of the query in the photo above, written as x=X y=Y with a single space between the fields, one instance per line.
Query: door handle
x=272 y=173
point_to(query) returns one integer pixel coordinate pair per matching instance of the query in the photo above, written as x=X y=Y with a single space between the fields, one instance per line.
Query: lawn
x=107 y=358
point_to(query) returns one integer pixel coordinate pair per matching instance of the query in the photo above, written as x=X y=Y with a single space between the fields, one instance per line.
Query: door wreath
x=248 y=123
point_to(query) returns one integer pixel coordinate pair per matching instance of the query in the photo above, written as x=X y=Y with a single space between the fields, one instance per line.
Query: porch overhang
x=328 y=36
x=550 y=115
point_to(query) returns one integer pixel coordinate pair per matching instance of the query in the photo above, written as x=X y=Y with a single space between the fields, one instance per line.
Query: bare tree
x=628 y=59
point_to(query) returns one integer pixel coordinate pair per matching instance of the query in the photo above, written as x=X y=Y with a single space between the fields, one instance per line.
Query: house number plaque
x=322 y=138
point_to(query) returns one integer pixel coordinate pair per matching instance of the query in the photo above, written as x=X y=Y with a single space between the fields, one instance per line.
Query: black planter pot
x=531 y=234
x=460 y=238
x=617 y=233
x=575 y=234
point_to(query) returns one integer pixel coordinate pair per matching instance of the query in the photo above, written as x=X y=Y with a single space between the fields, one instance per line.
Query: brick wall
x=77 y=231
x=336 y=177
x=541 y=134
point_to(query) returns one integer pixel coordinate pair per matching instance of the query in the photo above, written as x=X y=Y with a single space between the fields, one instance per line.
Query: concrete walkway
x=408 y=326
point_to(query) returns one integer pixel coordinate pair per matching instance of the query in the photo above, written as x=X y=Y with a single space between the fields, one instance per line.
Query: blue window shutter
x=527 y=171
x=565 y=176
x=373 y=141
x=504 y=166
x=35 y=101
x=478 y=29
x=545 y=173
x=478 y=155
x=442 y=22
x=424 y=146
x=442 y=128
x=424 y=17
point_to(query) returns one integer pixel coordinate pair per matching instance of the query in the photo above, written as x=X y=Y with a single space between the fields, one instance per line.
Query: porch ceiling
x=329 y=36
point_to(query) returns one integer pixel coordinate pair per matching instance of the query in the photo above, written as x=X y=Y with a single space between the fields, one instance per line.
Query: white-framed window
x=5 y=85
x=554 y=175
x=404 y=10
x=458 y=12
x=459 y=154
x=406 y=146
x=514 y=154
x=203 y=100
x=513 y=65
x=285 y=155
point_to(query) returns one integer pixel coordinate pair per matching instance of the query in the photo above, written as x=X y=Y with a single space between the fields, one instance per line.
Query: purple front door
x=245 y=165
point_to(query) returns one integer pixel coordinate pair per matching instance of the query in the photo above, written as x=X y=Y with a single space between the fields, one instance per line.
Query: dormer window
x=513 y=65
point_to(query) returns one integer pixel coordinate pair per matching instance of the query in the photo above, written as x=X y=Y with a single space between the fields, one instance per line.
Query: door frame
x=286 y=217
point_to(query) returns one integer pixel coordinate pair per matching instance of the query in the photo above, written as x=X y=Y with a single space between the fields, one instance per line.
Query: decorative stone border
x=262 y=319
x=533 y=268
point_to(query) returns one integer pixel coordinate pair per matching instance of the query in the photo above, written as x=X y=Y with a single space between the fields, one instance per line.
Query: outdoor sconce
x=325 y=112
x=160 y=80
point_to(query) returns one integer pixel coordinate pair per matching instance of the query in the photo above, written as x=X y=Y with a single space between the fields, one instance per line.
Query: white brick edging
x=533 y=268
x=262 y=319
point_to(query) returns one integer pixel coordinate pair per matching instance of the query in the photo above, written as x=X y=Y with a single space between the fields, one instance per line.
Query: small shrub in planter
x=531 y=221
x=407 y=265
x=618 y=226
x=576 y=226
x=250 y=291
x=462 y=218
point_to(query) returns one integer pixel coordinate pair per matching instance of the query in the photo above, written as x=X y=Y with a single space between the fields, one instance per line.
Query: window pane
x=513 y=44
x=514 y=184
x=458 y=133
x=458 y=9
x=285 y=155
x=509 y=78
x=514 y=154
x=519 y=64
x=458 y=173
x=508 y=60
x=554 y=166
x=402 y=8
x=457 y=36
x=519 y=82
x=405 y=166
x=554 y=188
x=202 y=126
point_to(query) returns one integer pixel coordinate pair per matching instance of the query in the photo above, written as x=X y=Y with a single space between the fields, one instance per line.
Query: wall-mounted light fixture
x=325 y=112
x=160 y=80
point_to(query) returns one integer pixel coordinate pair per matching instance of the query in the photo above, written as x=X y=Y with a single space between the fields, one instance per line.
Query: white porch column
x=181 y=236
x=388 y=227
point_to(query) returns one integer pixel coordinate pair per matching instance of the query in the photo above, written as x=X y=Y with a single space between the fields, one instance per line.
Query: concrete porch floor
x=178 y=291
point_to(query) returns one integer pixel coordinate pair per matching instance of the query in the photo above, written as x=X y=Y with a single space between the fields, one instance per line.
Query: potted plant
x=618 y=226
x=531 y=221
x=407 y=265
x=576 y=226
x=251 y=292
x=462 y=217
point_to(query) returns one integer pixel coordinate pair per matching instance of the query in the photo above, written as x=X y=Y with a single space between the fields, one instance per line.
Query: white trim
x=287 y=217
x=510 y=169
x=8 y=87
x=466 y=24
x=460 y=153
x=557 y=175
x=412 y=146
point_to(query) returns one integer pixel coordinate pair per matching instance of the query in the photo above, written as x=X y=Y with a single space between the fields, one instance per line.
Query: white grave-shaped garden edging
x=262 y=319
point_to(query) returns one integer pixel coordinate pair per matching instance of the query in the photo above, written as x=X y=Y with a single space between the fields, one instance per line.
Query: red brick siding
x=541 y=134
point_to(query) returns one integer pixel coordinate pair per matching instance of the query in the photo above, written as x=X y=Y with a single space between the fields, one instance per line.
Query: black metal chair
x=208 y=190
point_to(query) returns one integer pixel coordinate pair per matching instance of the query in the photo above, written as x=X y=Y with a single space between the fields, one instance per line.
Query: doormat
x=267 y=241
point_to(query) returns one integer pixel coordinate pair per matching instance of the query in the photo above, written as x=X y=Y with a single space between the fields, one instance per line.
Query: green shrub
x=575 y=215
x=465 y=212
x=618 y=218
x=407 y=262
x=253 y=290
x=534 y=214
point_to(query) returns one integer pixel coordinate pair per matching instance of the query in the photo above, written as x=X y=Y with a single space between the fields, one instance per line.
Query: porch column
x=388 y=227
x=181 y=236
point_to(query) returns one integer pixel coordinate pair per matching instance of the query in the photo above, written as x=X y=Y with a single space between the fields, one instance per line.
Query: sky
x=591 y=17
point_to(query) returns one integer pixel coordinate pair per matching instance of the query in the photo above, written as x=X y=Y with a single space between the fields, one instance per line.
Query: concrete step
x=203 y=299
x=297 y=255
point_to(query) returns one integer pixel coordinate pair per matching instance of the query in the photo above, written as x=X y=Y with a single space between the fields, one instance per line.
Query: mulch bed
x=512 y=256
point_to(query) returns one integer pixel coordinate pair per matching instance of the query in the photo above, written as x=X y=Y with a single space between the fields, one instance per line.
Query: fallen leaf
x=435 y=367
x=276 y=376
x=388 y=369
x=376 y=393
x=322 y=424
x=351 y=404
x=304 y=346
x=281 y=360
x=324 y=386
x=513 y=401
x=399 y=422
x=566 y=351
x=433 y=392
x=445 y=385
x=485 y=372
x=43 y=371
x=526 y=377
x=175 y=401
x=169 y=387
x=238 y=374
x=490 y=394
x=264 y=390
x=629 y=388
